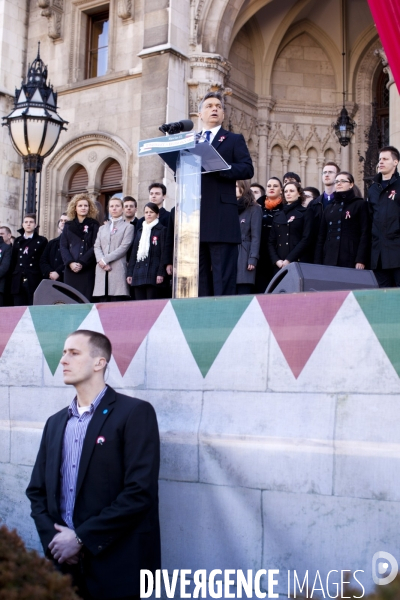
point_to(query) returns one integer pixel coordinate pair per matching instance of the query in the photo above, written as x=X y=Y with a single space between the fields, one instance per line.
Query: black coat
x=145 y=272
x=116 y=503
x=219 y=213
x=5 y=262
x=343 y=237
x=51 y=259
x=168 y=256
x=290 y=234
x=316 y=208
x=384 y=207
x=76 y=244
x=265 y=269
x=26 y=256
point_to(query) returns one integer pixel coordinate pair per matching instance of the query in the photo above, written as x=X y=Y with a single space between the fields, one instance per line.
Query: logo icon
x=381 y=561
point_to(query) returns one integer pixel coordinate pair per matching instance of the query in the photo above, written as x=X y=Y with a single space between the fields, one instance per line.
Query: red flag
x=386 y=15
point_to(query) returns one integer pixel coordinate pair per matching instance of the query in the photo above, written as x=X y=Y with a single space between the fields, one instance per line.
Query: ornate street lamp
x=34 y=126
x=344 y=126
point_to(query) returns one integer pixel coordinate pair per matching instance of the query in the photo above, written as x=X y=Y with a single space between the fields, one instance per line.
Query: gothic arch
x=89 y=150
x=319 y=36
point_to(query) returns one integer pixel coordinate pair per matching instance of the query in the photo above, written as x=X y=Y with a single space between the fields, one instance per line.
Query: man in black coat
x=94 y=486
x=5 y=262
x=384 y=206
x=51 y=262
x=27 y=251
x=318 y=205
x=219 y=220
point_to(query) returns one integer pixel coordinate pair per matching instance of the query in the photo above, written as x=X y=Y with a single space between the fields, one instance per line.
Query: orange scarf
x=271 y=204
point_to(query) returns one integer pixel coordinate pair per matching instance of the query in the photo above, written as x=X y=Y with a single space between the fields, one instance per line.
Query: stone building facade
x=279 y=62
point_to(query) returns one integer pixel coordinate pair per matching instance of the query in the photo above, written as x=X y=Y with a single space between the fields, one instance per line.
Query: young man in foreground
x=94 y=486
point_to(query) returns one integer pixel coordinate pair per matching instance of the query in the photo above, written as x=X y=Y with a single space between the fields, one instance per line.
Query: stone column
x=265 y=105
x=345 y=158
x=320 y=165
x=164 y=94
x=394 y=113
x=285 y=162
x=303 y=162
x=208 y=73
x=394 y=101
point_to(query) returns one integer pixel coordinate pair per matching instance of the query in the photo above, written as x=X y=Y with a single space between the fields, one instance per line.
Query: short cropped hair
x=29 y=216
x=130 y=199
x=330 y=163
x=259 y=186
x=291 y=175
x=6 y=228
x=158 y=185
x=314 y=191
x=393 y=151
x=216 y=95
x=99 y=343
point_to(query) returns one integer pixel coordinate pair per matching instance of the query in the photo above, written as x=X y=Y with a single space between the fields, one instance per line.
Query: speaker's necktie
x=207 y=135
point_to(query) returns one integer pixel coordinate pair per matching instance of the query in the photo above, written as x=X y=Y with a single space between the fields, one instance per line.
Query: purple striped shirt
x=74 y=437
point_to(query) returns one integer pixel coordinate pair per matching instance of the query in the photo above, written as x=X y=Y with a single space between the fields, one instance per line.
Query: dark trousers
x=78 y=581
x=146 y=292
x=217 y=269
x=244 y=288
x=25 y=296
x=1 y=299
x=388 y=278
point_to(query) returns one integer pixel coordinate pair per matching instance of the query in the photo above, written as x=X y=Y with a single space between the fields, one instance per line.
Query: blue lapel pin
x=105 y=411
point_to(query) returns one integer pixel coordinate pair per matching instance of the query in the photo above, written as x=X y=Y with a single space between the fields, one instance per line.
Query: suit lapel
x=54 y=451
x=221 y=133
x=100 y=416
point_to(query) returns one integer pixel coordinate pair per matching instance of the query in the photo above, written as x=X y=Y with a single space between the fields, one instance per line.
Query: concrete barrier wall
x=279 y=418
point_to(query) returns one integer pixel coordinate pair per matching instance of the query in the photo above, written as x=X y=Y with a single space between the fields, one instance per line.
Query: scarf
x=144 y=244
x=271 y=204
x=241 y=204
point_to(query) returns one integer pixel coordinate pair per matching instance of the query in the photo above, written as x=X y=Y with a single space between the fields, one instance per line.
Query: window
x=97 y=55
x=78 y=182
x=111 y=184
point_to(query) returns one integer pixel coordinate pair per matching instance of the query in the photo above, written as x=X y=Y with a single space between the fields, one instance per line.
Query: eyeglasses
x=342 y=181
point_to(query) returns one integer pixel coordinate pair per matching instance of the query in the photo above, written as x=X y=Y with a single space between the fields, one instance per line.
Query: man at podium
x=219 y=221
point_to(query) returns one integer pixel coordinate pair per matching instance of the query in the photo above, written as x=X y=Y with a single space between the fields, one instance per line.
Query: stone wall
x=278 y=418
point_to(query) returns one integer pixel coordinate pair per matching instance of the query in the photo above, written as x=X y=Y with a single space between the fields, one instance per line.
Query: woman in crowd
x=112 y=244
x=271 y=204
x=343 y=239
x=290 y=235
x=250 y=217
x=76 y=244
x=146 y=269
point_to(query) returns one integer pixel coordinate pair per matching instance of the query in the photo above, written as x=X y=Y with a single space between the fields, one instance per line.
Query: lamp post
x=34 y=126
x=344 y=127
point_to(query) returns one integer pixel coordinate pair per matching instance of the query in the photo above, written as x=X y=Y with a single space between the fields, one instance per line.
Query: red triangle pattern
x=126 y=324
x=298 y=322
x=9 y=319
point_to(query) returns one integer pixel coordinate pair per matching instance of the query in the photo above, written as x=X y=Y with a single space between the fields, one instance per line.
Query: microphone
x=171 y=128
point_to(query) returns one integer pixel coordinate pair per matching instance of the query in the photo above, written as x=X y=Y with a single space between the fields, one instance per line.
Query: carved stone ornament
x=380 y=53
x=53 y=10
x=125 y=9
x=92 y=157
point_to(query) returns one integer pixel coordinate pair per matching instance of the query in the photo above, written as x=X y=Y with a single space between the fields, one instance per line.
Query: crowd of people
x=126 y=257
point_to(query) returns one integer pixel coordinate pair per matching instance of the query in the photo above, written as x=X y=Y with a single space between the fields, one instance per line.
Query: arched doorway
x=111 y=183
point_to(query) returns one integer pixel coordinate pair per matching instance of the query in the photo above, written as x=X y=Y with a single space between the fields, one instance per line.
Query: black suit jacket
x=219 y=212
x=116 y=505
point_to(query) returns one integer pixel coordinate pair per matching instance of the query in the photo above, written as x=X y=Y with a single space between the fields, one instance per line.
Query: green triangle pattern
x=207 y=323
x=383 y=315
x=53 y=324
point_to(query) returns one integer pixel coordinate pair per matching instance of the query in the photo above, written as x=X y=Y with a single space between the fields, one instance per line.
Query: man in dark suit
x=219 y=218
x=94 y=486
x=25 y=267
